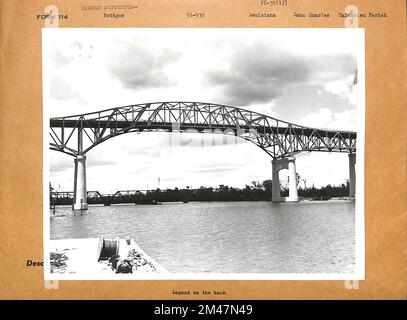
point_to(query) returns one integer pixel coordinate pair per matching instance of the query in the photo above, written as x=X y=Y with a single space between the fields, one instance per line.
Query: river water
x=227 y=237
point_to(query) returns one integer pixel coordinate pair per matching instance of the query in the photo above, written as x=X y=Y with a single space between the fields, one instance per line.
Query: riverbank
x=251 y=192
x=344 y=198
x=80 y=256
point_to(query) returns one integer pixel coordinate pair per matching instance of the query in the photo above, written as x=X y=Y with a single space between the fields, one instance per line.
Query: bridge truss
x=78 y=134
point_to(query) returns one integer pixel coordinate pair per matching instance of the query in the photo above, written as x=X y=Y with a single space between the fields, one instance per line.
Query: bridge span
x=281 y=140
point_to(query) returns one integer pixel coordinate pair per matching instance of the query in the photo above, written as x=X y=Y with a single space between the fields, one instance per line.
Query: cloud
x=214 y=169
x=254 y=74
x=102 y=161
x=338 y=87
x=60 y=89
x=260 y=73
x=344 y=88
x=69 y=52
x=137 y=67
x=60 y=162
x=326 y=118
x=331 y=67
x=58 y=58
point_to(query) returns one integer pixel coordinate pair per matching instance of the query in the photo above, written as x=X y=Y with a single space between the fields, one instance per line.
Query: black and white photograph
x=199 y=153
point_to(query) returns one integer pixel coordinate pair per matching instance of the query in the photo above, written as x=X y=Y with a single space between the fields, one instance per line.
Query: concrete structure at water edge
x=352 y=175
x=80 y=195
x=83 y=257
x=279 y=164
x=76 y=135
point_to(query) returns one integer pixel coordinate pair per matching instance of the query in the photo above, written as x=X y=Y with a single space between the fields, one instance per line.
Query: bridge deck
x=169 y=126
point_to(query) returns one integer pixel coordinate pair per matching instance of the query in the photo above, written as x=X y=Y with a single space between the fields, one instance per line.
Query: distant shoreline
x=315 y=199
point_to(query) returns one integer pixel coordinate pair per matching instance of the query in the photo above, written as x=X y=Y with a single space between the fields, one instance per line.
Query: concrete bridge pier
x=352 y=175
x=79 y=193
x=279 y=164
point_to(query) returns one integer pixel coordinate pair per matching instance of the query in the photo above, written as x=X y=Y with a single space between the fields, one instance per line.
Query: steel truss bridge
x=123 y=196
x=76 y=135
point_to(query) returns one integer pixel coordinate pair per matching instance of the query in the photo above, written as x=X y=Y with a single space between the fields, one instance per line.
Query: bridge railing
x=80 y=133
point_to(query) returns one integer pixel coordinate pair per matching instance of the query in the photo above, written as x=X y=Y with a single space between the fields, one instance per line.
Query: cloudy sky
x=304 y=76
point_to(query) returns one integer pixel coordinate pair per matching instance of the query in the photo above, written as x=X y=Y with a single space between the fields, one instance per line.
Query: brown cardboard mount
x=21 y=218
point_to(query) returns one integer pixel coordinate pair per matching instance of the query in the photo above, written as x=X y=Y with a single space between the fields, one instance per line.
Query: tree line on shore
x=253 y=192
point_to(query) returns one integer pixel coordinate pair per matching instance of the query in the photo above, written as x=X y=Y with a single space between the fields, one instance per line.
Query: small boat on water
x=322 y=198
x=54 y=213
x=57 y=215
x=153 y=202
